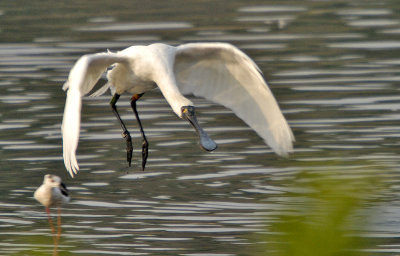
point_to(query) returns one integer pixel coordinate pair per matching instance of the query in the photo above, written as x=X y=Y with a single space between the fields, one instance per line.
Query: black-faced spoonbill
x=219 y=72
x=53 y=193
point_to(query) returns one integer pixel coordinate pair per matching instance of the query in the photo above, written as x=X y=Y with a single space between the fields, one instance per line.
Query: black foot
x=129 y=147
x=145 y=153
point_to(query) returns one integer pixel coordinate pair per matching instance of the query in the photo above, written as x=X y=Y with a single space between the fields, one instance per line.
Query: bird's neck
x=173 y=96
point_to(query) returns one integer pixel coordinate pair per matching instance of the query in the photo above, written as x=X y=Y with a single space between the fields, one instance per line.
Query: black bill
x=188 y=113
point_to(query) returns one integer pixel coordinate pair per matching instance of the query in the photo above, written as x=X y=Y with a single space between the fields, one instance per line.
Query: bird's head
x=52 y=180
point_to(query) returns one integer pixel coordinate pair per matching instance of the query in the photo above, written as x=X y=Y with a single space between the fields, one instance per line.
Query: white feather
x=225 y=75
x=82 y=78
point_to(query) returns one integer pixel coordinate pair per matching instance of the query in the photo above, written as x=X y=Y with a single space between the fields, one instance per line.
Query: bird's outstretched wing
x=82 y=78
x=225 y=75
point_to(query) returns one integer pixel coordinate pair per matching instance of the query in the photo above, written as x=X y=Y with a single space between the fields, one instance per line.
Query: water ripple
x=336 y=82
x=134 y=26
x=368 y=45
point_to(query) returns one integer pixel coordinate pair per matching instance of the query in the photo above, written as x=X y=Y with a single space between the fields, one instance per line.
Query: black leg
x=145 y=144
x=125 y=133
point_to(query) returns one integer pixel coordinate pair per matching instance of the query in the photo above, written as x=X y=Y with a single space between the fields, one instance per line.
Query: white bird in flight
x=219 y=72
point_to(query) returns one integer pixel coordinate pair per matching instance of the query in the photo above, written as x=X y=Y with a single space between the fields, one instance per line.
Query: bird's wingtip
x=283 y=143
x=284 y=152
x=72 y=171
x=71 y=165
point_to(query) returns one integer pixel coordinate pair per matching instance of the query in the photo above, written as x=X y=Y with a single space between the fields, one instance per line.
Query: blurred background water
x=332 y=65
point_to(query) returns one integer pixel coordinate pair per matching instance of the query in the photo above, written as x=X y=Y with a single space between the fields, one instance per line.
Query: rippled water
x=332 y=65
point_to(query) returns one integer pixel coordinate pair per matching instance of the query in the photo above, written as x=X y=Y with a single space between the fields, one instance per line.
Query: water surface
x=333 y=67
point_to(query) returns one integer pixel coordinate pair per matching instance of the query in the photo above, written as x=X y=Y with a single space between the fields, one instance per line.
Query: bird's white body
x=218 y=72
x=52 y=193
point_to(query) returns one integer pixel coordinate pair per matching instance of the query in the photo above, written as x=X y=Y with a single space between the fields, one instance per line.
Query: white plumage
x=218 y=72
x=52 y=193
